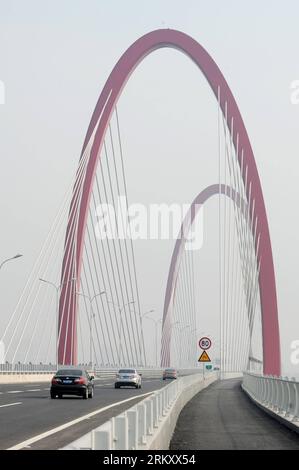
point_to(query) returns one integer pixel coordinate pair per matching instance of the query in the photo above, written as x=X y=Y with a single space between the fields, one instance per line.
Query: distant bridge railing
x=30 y=371
x=48 y=368
x=19 y=368
x=279 y=396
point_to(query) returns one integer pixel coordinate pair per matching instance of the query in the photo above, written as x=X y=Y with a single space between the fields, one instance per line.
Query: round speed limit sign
x=205 y=343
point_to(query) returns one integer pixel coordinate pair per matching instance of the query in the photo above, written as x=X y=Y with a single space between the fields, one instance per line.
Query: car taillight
x=80 y=380
x=55 y=380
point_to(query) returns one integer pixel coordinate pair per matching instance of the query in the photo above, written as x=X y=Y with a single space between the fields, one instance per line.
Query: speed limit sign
x=205 y=343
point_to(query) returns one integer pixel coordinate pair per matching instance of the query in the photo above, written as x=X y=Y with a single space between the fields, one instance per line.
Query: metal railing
x=19 y=368
x=277 y=394
x=26 y=368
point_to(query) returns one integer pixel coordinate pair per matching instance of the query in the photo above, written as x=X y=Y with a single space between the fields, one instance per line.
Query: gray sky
x=54 y=60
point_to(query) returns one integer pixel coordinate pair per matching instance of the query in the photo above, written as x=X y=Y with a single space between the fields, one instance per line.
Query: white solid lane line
x=11 y=404
x=38 y=437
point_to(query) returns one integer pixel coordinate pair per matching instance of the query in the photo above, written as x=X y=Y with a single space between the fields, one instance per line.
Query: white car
x=128 y=378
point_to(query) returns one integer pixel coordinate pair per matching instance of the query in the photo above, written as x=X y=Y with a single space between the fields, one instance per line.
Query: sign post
x=204 y=344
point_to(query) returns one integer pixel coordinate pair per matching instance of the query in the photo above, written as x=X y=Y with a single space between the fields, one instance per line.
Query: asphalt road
x=223 y=417
x=26 y=411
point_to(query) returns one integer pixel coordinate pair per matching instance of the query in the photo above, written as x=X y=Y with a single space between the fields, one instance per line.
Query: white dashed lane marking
x=11 y=404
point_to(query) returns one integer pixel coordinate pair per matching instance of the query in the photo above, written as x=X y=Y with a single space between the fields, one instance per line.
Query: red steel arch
x=198 y=202
x=72 y=260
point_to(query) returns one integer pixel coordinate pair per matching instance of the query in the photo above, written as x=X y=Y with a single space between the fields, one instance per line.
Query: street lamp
x=173 y=325
x=147 y=313
x=120 y=308
x=10 y=259
x=57 y=288
x=181 y=331
x=190 y=348
x=156 y=322
x=91 y=320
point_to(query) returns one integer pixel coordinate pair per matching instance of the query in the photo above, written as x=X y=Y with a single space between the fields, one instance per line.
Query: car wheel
x=90 y=395
x=85 y=394
x=116 y=386
x=53 y=396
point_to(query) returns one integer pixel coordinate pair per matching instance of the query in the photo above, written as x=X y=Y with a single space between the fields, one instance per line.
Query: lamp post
x=173 y=325
x=10 y=259
x=143 y=315
x=91 y=321
x=190 y=348
x=120 y=308
x=181 y=331
x=156 y=322
x=57 y=288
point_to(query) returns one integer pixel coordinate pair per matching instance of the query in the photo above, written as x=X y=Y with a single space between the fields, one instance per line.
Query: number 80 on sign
x=205 y=343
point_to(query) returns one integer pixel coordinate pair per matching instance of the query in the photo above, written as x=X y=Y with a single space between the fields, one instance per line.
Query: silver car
x=128 y=378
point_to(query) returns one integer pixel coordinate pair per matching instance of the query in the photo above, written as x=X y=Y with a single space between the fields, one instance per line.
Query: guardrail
x=26 y=368
x=46 y=369
x=150 y=423
x=279 y=396
x=34 y=375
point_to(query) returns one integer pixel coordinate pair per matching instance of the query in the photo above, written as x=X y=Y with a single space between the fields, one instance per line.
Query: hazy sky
x=54 y=59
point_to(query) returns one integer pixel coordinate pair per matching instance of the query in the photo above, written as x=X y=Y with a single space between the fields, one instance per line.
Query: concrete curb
x=25 y=378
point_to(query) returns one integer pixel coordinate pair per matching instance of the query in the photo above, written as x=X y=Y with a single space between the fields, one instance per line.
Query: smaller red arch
x=179 y=247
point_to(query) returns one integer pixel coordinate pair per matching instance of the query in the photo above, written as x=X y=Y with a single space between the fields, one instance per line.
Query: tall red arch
x=72 y=260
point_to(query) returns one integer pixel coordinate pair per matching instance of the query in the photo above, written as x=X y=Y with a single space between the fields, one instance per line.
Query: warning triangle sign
x=204 y=357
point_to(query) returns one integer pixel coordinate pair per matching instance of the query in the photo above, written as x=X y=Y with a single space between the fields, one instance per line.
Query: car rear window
x=69 y=372
x=127 y=371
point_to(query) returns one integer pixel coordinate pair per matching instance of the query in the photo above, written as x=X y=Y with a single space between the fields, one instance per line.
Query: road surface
x=223 y=417
x=26 y=410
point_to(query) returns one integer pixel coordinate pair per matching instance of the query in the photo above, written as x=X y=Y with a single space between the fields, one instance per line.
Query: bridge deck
x=223 y=417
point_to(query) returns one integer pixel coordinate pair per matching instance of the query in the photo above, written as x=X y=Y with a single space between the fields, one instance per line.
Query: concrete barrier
x=15 y=378
x=149 y=424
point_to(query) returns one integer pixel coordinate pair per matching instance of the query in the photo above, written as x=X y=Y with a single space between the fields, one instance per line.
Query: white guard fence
x=277 y=395
x=25 y=373
x=150 y=423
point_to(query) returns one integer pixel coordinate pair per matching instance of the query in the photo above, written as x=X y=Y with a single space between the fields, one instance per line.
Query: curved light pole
x=190 y=347
x=181 y=331
x=172 y=325
x=156 y=322
x=143 y=315
x=10 y=259
x=120 y=308
x=57 y=288
x=91 y=321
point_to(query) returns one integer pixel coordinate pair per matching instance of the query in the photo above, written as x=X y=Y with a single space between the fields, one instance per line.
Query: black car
x=72 y=382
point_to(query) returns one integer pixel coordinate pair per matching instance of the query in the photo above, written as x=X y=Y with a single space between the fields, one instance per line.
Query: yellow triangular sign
x=204 y=357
